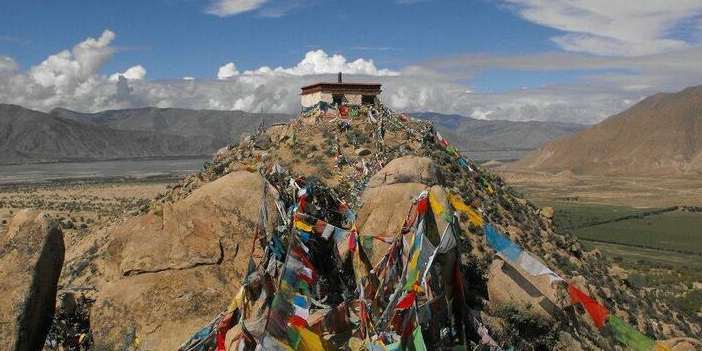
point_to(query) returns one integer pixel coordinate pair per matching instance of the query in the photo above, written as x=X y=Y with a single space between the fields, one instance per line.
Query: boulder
x=407 y=169
x=510 y=285
x=362 y=152
x=548 y=212
x=172 y=270
x=262 y=142
x=31 y=257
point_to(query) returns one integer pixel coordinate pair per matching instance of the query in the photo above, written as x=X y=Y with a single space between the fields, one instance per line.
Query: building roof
x=371 y=88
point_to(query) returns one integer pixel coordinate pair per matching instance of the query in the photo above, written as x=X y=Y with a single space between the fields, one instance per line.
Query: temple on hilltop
x=340 y=93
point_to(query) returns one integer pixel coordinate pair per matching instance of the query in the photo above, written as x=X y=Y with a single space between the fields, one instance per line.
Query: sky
x=569 y=60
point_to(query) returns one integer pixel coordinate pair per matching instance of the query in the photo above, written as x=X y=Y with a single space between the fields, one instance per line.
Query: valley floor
x=648 y=226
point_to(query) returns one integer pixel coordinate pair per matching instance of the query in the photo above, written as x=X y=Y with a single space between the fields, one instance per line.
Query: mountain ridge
x=661 y=134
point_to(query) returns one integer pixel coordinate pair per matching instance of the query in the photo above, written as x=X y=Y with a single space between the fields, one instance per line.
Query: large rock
x=175 y=268
x=31 y=257
x=510 y=285
x=407 y=169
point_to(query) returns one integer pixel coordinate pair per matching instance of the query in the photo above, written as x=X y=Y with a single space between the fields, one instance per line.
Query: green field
x=667 y=240
x=671 y=231
x=574 y=215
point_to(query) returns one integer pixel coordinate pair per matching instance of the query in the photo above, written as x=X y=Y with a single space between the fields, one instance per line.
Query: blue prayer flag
x=502 y=244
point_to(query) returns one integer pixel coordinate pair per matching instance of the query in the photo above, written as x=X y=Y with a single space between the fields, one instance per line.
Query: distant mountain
x=472 y=134
x=221 y=127
x=28 y=136
x=662 y=134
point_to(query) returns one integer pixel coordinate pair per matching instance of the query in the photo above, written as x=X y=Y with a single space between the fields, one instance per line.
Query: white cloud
x=66 y=70
x=7 y=65
x=224 y=8
x=600 y=27
x=137 y=72
x=188 y=78
x=68 y=81
x=319 y=62
x=227 y=71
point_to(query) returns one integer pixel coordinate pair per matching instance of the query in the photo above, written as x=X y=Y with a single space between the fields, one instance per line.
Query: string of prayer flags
x=596 y=311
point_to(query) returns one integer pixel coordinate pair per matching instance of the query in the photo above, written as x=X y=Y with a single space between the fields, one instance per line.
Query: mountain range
x=62 y=135
x=28 y=136
x=472 y=134
x=660 y=135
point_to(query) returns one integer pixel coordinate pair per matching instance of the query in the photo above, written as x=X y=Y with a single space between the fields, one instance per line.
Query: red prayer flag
x=297 y=321
x=406 y=301
x=596 y=311
x=422 y=205
x=352 y=241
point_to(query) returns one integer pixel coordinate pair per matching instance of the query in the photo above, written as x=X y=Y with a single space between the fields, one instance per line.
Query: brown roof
x=373 y=88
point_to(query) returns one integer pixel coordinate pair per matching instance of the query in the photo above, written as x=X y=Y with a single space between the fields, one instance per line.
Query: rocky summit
x=359 y=229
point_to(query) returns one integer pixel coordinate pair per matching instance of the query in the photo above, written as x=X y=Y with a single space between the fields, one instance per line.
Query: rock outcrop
x=31 y=257
x=173 y=269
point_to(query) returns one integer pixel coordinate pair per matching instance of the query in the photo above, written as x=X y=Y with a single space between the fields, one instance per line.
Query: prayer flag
x=629 y=336
x=502 y=244
x=406 y=301
x=301 y=225
x=475 y=218
x=418 y=339
x=534 y=267
x=596 y=311
x=309 y=341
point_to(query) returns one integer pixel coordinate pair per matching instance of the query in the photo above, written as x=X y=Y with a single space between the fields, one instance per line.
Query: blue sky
x=498 y=50
x=177 y=38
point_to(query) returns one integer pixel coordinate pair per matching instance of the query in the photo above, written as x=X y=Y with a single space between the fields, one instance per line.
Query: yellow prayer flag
x=475 y=218
x=435 y=206
x=303 y=226
x=309 y=341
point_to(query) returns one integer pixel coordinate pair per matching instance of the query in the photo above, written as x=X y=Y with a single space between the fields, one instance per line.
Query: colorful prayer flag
x=502 y=244
x=629 y=336
x=474 y=218
x=596 y=311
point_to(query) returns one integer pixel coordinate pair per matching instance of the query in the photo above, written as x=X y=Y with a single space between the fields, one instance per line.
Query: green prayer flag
x=293 y=337
x=629 y=336
x=418 y=339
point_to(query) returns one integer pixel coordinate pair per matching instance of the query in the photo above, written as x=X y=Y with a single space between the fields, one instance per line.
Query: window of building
x=368 y=99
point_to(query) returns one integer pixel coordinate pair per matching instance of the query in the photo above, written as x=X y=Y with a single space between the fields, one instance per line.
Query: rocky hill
x=660 y=135
x=480 y=135
x=353 y=233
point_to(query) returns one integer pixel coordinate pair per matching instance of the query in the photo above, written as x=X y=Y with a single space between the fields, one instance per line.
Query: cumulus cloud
x=319 y=62
x=227 y=71
x=224 y=8
x=626 y=28
x=137 y=72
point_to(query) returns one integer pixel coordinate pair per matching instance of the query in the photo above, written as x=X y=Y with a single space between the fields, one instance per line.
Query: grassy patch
x=672 y=231
x=574 y=215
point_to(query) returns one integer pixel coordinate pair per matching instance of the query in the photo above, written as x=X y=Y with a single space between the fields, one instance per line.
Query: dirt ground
x=80 y=205
x=624 y=191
